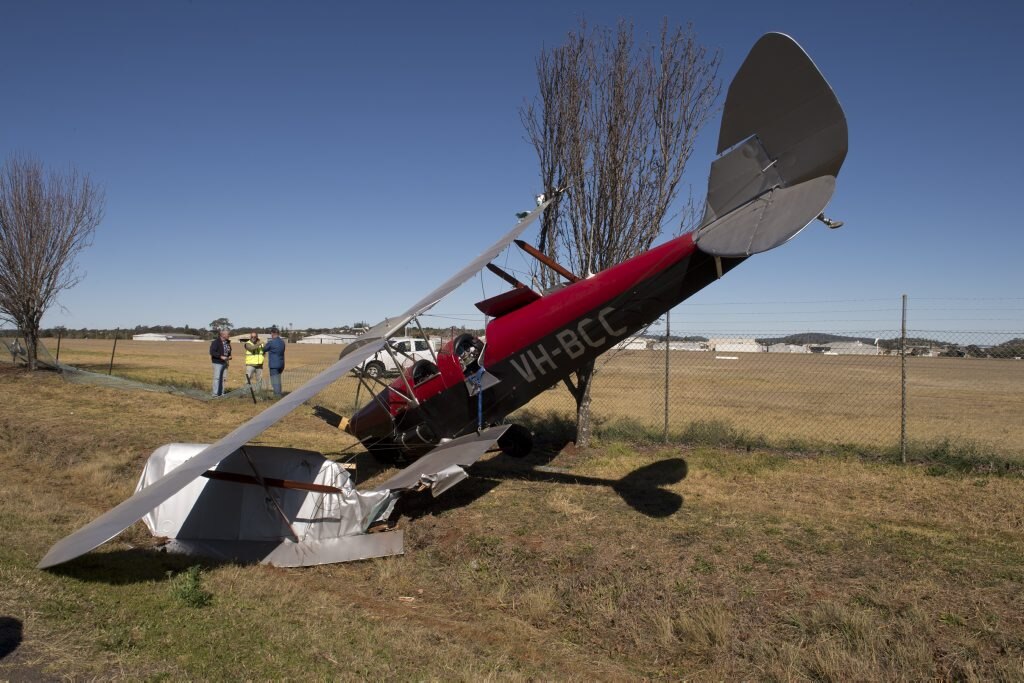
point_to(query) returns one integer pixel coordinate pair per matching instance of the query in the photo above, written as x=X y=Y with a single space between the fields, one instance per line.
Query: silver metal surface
x=290 y=554
x=780 y=95
x=340 y=549
x=463 y=451
x=768 y=221
x=739 y=176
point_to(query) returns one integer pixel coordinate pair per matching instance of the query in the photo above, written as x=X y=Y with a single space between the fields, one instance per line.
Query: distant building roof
x=164 y=336
x=337 y=338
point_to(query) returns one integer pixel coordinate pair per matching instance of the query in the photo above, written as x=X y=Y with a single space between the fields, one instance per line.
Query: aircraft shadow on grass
x=642 y=489
x=10 y=635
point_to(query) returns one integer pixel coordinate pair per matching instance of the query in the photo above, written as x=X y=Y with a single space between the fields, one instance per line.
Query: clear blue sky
x=321 y=163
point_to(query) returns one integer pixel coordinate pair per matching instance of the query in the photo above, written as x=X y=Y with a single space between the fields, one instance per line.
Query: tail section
x=787 y=138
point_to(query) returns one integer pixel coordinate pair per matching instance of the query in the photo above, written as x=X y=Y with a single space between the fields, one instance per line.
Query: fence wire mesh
x=842 y=393
x=678 y=382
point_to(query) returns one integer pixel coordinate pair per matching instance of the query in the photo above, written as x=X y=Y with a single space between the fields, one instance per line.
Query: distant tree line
x=208 y=333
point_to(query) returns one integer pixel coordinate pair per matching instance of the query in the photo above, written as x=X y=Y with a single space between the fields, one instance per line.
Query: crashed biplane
x=782 y=141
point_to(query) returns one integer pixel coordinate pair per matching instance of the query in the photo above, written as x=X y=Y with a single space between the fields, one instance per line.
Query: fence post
x=60 y=333
x=903 y=384
x=110 y=370
x=668 y=329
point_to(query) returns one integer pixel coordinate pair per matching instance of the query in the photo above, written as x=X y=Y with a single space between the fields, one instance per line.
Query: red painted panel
x=520 y=328
x=506 y=302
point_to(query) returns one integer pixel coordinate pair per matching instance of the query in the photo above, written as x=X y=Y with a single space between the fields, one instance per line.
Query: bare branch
x=45 y=221
x=616 y=125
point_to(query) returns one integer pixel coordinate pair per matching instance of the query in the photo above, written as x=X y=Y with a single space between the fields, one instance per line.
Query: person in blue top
x=274 y=349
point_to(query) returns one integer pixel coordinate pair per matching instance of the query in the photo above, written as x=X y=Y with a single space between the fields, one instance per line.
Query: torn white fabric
x=209 y=509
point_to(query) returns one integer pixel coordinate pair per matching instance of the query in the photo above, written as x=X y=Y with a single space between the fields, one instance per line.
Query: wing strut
x=547 y=261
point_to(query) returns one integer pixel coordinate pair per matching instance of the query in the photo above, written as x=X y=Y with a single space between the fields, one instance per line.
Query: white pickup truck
x=407 y=350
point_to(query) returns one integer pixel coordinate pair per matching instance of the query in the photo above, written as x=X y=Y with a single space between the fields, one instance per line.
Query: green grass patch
x=187 y=588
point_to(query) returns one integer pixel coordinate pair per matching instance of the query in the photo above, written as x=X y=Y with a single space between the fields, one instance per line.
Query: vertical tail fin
x=788 y=139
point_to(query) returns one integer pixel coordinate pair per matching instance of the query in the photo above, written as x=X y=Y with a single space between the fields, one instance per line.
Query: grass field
x=784 y=400
x=626 y=562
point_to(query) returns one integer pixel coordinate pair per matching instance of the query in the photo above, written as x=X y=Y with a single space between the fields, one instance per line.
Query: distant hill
x=815 y=338
x=1008 y=349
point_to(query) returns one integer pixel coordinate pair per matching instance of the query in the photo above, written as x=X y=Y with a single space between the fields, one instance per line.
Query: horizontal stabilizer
x=737 y=177
x=768 y=221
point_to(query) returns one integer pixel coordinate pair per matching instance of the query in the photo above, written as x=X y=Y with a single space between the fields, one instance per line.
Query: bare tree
x=46 y=219
x=615 y=125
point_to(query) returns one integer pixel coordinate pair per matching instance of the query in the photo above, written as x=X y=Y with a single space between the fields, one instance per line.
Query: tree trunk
x=584 y=378
x=31 y=340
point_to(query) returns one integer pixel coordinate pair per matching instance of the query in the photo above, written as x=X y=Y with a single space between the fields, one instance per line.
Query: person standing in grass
x=220 y=354
x=275 y=359
x=254 y=360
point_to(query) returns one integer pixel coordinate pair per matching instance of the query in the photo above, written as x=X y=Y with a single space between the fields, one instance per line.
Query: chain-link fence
x=742 y=390
x=883 y=389
x=873 y=389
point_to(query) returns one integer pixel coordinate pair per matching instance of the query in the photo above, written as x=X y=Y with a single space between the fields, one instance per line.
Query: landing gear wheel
x=517 y=441
x=374 y=370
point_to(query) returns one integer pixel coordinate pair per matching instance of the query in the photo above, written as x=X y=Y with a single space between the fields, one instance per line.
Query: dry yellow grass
x=815 y=398
x=781 y=397
x=766 y=567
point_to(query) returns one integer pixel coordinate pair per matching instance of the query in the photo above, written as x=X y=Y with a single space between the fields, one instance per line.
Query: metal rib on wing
x=114 y=521
x=391 y=325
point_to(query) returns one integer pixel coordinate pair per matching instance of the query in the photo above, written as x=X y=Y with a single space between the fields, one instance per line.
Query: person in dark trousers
x=274 y=349
x=220 y=354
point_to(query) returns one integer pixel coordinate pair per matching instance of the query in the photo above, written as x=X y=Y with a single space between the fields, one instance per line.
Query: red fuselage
x=531 y=348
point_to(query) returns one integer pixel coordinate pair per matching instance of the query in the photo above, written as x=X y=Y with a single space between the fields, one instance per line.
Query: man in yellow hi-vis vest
x=254 y=360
